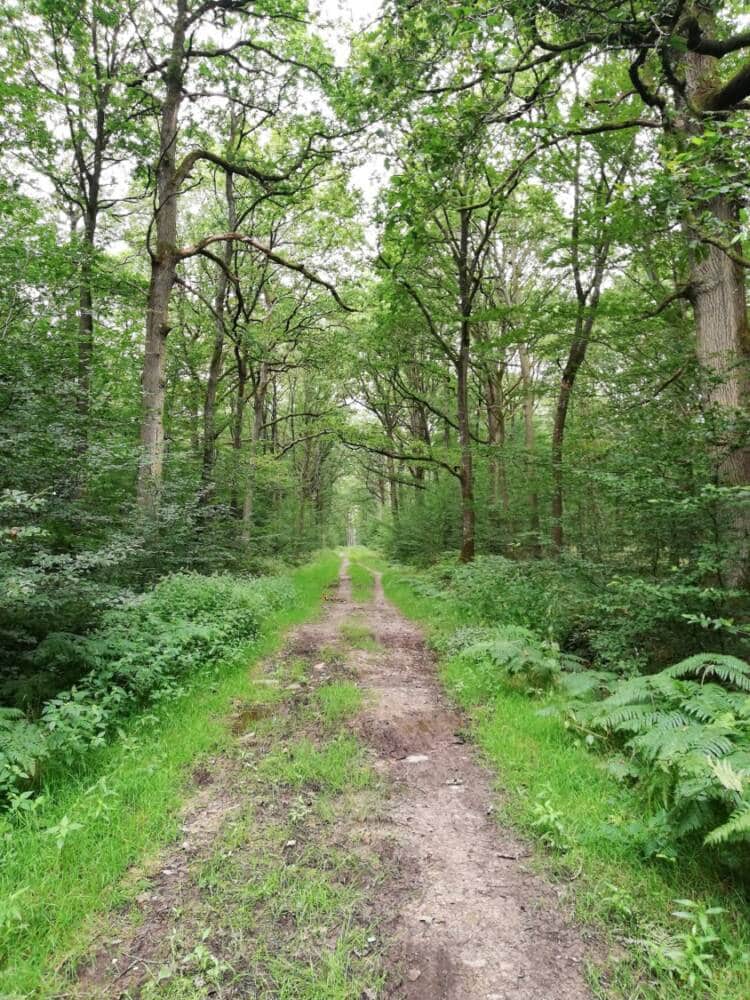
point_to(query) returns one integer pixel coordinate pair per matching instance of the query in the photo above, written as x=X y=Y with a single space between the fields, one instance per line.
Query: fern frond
x=729 y=669
x=637 y=718
x=670 y=745
x=710 y=702
x=9 y=717
x=727 y=776
x=635 y=690
x=737 y=827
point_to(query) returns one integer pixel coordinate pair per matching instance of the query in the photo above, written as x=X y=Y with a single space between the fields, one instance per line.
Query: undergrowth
x=140 y=656
x=64 y=852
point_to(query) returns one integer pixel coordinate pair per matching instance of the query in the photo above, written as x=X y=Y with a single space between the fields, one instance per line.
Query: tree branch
x=289 y=265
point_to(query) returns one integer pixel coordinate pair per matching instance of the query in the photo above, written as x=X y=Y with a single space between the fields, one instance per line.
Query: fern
x=668 y=744
x=23 y=746
x=728 y=669
x=512 y=652
x=687 y=731
x=637 y=718
x=711 y=702
x=737 y=827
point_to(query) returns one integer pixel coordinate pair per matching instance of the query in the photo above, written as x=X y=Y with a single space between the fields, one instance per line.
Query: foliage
x=686 y=735
x=128 y=799
x=542 y=595
x=507 y=653
x=690 y=956
x=141 y=654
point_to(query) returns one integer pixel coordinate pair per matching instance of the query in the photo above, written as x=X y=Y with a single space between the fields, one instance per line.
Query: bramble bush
x=141 y=654
x=547 y=596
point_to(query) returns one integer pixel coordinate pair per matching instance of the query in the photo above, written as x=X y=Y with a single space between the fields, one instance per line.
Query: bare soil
x=461 y=915
x=476 y=922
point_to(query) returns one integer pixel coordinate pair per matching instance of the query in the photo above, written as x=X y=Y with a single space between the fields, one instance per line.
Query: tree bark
x=259 y=402
x=468 y=516
x=496 y=432
x=216 y=364
x=529 y=443
x=719 y=299
x=86 y=324
x=575 y=359
x=164 y=261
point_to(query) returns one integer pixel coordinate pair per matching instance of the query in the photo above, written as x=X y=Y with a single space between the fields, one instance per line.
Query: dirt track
x=460 y=915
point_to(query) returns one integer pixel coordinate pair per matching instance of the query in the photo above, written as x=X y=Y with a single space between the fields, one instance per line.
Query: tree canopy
x=475 y=285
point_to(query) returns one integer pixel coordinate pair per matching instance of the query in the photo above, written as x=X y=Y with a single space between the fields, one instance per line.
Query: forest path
x=447 y=908
x=473 y=922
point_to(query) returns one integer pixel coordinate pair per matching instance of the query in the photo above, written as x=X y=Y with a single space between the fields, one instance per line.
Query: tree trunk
x=529 y=442
x=259 y=402
x=587 y=305
x=574 y=362
x=392 y=486
x=216 y=364
x=163 y=273
x=496 y=432
x=466 y=477
x=719 y=300
x=723 y=347
x=85 y=330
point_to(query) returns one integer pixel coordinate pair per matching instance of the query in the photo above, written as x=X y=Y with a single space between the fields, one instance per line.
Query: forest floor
x=346 y=847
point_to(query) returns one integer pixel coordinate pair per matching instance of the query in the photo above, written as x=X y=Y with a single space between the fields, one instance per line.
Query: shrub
x=636 y=623
x=545 y=595
x=140 y=654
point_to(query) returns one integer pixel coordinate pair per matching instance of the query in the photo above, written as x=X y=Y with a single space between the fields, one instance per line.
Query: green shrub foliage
x=141 y=654
x=685 y=734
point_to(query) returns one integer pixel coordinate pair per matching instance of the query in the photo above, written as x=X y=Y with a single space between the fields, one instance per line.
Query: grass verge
x=63 y=859
x=556 y=792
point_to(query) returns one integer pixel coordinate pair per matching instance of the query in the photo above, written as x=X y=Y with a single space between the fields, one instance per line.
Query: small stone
x=290 y=843
x=416 y=758
x=413 y=975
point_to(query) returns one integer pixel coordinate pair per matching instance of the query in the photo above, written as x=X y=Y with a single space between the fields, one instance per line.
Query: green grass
x=363 y=583
x=335 y=766
x=119 y=807
x=359 y=636
x=554 y=789
x=338 y=701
